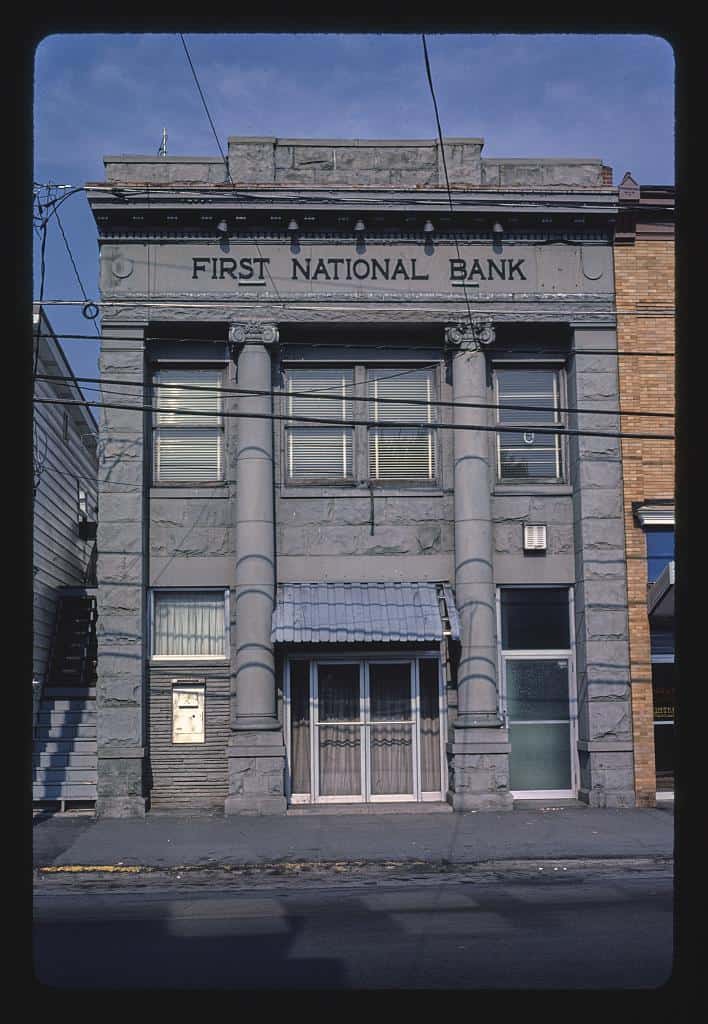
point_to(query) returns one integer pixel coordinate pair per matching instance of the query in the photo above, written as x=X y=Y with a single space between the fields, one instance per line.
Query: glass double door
x=373 y=731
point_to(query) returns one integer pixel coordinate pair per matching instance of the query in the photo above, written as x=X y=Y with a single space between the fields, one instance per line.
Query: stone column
x=480 y=743
x=256 y=750
x=121 y=577
x=605 y=746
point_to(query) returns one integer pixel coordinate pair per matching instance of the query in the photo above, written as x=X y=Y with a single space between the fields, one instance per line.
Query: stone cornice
x=357 y=312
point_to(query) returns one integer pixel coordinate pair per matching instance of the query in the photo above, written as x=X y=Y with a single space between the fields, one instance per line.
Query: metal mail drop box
x=188 y=701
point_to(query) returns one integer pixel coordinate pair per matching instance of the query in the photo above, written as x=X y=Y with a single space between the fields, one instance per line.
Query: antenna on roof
x=162 y=151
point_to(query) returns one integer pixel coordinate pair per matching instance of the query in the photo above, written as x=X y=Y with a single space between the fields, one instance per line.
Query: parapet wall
x=385 y=163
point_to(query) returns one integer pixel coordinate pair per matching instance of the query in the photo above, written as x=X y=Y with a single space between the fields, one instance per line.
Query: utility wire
x=556 y=429
x=550 y=354
x=304 y=304
x=444 y=163
x=334 y=392
x=76 y=271
x=206 y=108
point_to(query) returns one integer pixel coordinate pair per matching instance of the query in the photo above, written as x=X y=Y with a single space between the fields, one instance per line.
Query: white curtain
x=339 y=742
x=189 y=624
x=429 y=727
x=300 y=726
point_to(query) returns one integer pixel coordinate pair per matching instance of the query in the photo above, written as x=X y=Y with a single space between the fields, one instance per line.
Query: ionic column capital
x=470 y=335
x=253 y=333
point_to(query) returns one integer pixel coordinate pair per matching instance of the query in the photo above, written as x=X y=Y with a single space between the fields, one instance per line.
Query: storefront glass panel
x=390 y=743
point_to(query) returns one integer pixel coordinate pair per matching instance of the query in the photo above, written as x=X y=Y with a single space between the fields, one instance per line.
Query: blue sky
x=606 y=96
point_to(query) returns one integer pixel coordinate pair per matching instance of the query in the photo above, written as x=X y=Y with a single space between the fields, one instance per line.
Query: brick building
x=644 y=276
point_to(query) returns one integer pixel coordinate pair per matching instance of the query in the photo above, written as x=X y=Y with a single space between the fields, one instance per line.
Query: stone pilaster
x=256 y=751
x=480 y=743
x=121 y=576
x=601 y=619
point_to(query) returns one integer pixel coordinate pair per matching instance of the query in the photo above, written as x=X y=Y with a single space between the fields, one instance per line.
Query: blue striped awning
x=364 y=613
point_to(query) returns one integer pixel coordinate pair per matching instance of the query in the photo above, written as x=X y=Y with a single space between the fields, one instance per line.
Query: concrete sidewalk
x=164 y=841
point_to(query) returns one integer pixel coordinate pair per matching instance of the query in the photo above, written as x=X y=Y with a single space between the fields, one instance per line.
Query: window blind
x=402 y=452
x=527 y=454
x=314 y=451
x=188 y=448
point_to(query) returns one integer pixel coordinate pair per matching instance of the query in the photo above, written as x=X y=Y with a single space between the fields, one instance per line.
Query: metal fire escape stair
x=64 y=762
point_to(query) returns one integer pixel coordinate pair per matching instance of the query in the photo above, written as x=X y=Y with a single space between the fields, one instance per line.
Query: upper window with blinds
x=320 y=451
x=188 y=429
x=402 y=444
x=528 y=398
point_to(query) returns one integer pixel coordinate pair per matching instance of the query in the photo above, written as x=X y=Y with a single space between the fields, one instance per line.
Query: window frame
x=506 y=654
x=558 y=367
x=361 y=476
x=162 y=659
x=219 y=425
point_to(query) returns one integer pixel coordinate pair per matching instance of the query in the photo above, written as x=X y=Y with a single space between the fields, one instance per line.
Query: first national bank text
x=253 y=270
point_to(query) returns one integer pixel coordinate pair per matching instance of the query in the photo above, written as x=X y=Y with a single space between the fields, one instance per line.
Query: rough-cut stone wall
x=121 y=585
x=601 y=622
x=644 y=274
x=369 y=162
x=354 y=162
x=510 y=512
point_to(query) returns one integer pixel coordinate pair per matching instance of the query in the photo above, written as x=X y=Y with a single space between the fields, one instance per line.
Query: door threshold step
x=407 y=807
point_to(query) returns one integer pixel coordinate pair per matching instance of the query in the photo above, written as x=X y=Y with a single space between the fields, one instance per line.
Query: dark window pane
x=662 y=637
x=535 y=619
x=662 y=680
x=390 y=692
x=660 y=551
x=338 y=688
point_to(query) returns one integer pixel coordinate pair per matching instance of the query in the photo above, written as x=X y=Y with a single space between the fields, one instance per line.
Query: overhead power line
x=206 y=108
x=444 y=163
x=334 y=391
x=498 y=429
x=540 y=352
x=76 y=270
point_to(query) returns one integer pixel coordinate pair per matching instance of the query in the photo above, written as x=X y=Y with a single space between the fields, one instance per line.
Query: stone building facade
x=362 y=528
x=645 y=276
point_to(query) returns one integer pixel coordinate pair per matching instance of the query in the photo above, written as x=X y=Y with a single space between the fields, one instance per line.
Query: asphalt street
x=542 y=926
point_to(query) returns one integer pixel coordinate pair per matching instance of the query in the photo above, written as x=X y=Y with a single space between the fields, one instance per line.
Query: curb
x=294 y=868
